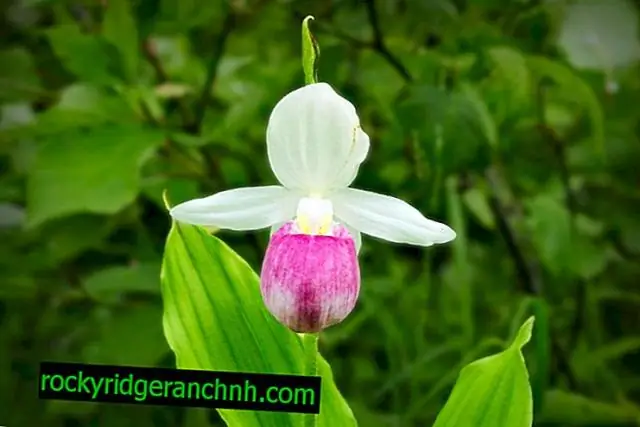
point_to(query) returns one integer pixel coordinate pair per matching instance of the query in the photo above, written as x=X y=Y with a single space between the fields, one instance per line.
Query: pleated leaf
x=214 y=319
x=493 y=391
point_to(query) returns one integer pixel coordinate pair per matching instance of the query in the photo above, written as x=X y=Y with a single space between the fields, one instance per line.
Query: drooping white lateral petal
x=249 y=208
x=314 y=140
x=388 y=218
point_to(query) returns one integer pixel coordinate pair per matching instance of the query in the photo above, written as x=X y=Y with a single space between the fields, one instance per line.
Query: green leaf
x=483 y=117
x=507 y=90
x=539 y=368
x=119 y=29
x=456 y=119
x=493 y=391
x=84 y=55
x=600 y=35
x=550 y=231
x=109 y=284
x=478 y=204
x=94 y=172
x=197 y=417
x=184 y=15
x=612 y=351
x=576 y=93
x=524 y=334
x=130 y=336
x=18 y=78
x=84 y=105
x=510 y=70
x=17 y=285
x=588 y=258
x=71 y=236
x=562 y=249
x=565 y=408
x=80 y=105
x=214 y=319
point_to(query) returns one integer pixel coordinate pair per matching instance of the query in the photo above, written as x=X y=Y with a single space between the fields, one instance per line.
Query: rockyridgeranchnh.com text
x=179 y=387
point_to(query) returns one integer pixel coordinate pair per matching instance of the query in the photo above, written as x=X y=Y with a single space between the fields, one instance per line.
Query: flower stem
x=310 y=344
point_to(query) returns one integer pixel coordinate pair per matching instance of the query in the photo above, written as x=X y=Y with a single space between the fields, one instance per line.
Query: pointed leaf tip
x=524 y=334
x=493 y=391
x=165 y=199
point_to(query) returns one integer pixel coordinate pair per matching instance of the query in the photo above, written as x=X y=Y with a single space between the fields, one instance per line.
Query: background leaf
x=131 y=336
x=108 y=285
x=18 y=77
x=88 y=172
x=572 y=89
x=119 y=28
x=563 y=407
x=84 y=55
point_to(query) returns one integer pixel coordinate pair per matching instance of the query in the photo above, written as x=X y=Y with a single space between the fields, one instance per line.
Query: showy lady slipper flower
x=310 y=277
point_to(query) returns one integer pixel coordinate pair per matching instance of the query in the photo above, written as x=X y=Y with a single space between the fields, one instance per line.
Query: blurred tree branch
x=527 y=271
x=622 y=249
x=191 y=124
x=212 y=68
x=379 y=45
x=558 y=147
x=528 y=275
x=151 y=56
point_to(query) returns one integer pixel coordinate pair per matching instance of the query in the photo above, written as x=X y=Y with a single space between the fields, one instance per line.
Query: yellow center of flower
x=314 y=216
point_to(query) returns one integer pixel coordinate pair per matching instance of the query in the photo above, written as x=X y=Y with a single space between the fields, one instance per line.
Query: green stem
x=310 y=344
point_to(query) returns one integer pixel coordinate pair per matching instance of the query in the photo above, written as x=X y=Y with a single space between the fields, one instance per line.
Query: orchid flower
x=310 y=277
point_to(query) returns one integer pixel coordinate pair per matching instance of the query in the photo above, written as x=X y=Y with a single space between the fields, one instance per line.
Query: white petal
x=250 y=208
x=314 y=140
x=388 y=218
x=347 y=175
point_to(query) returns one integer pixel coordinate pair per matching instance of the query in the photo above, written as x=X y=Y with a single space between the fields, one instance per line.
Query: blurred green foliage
x=516 y=122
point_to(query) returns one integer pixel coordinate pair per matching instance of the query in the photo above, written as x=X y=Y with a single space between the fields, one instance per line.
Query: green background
x=496 y=117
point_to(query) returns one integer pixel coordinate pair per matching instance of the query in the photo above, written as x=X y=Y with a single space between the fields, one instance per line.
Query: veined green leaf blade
x=214 y=319
x=493 y=391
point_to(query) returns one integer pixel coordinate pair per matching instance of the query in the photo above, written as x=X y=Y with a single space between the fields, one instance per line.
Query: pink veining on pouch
x=310 y=282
